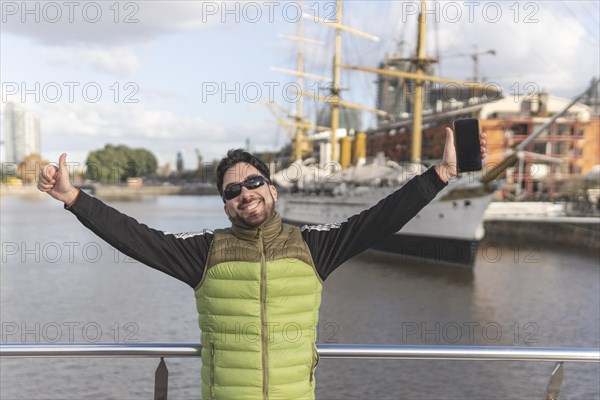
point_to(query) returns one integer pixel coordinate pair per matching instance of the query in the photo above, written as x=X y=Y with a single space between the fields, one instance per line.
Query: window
x=561 y=149
x=539 y=147
x=564 y=130
x=519 y=129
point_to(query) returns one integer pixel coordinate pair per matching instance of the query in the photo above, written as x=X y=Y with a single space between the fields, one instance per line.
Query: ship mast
x=299 y=142
x=333 y=97
x=417 y=136
x=335 y=88
x=421 y=61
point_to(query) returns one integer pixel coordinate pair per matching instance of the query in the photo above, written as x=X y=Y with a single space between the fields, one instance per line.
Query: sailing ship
x=448 y=230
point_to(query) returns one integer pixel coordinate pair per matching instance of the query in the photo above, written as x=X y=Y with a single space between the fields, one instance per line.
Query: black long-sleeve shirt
x=184 y=255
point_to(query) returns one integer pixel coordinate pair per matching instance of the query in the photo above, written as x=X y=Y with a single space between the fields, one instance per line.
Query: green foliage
x=115 y=164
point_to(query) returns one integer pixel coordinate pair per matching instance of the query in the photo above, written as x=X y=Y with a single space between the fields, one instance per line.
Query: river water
x=59 y=283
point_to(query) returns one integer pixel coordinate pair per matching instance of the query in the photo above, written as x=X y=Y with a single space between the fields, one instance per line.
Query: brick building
x=568 y=149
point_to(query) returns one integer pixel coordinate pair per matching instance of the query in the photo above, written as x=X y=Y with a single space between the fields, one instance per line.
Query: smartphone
x=466 y=141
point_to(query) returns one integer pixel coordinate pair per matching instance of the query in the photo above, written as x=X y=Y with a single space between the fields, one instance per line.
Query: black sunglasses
x=233 y=191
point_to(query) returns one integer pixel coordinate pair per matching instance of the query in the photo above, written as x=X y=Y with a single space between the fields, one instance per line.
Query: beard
x=254 y=218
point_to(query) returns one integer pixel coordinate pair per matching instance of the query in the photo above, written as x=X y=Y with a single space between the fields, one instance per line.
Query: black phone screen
x=466 y=141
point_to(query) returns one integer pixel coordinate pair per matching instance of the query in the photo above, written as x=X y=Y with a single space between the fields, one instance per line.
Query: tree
x=115 y=164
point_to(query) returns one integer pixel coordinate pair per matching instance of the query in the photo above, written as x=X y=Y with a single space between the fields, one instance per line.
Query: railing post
x=161 y=381
x=555 y=382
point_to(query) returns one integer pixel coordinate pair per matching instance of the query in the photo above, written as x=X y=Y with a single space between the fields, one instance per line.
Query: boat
x=448 y=230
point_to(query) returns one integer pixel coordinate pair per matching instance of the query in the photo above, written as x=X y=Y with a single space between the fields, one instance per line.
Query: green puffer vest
x=258 y=306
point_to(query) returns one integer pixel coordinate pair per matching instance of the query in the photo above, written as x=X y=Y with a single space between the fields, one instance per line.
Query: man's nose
x=245 y=191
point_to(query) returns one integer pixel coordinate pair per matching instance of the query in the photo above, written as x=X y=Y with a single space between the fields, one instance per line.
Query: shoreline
x=551 y=230
x=568 y=232
x=112 y=192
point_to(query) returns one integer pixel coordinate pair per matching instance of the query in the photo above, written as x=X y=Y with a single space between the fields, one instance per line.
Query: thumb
x=62 y=166
x=449 y=137
x=449 y=149
x=449 y=157
x=62 y=161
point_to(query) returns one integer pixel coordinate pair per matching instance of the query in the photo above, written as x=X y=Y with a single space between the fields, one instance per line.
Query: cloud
x=101 y=35
x=556 y=53
x=82 y=127
x=541 y=47
x=91 y=126
x=119 y=121
x=114 y=61
x=131 y=22
x=100 y=23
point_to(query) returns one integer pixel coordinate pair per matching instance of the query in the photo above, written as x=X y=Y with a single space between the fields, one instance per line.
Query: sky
x=187 y=76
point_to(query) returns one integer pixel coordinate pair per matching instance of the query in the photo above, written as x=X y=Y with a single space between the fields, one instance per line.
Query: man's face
x=252 y=207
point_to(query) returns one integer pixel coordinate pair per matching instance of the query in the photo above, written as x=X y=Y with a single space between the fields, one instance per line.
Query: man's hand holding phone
x=449 y=167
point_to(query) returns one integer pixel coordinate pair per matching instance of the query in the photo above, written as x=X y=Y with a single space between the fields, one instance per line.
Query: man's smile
x=250 y=205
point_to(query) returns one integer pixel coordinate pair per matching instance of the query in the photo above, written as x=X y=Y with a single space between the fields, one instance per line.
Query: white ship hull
x=447 y=230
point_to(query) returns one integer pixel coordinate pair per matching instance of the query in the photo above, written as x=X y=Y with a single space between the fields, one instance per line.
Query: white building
x=21 y=133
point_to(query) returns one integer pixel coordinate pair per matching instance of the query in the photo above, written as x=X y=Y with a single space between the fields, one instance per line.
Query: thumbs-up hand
x=55 y=181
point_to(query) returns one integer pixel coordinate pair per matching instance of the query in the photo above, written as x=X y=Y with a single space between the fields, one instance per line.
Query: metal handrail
x=177 y=350
x=162 y=350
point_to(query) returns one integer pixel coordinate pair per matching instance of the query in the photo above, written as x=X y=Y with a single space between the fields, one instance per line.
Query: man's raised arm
x=181 y=256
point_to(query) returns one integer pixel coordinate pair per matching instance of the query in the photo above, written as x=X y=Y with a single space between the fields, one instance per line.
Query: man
x=257 y=284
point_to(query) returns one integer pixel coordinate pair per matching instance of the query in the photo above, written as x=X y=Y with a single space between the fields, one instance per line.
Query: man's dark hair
x=235 y=156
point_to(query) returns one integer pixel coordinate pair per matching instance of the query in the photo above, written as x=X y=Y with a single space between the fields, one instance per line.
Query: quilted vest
x=258 y=306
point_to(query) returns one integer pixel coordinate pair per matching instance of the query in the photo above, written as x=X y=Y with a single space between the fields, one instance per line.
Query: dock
x=540 y=223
